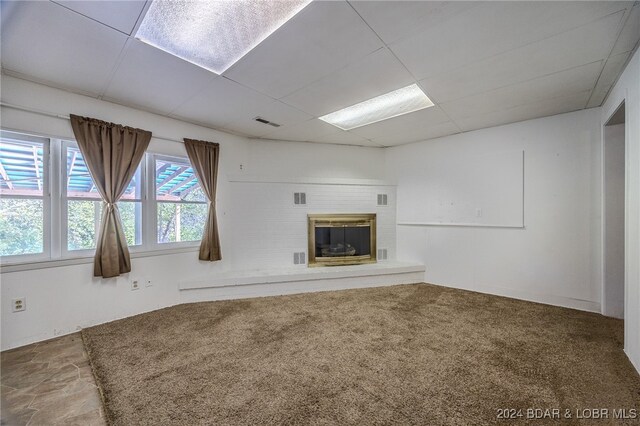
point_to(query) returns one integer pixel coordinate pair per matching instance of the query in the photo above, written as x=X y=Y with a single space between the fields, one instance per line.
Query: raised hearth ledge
x=253 y=277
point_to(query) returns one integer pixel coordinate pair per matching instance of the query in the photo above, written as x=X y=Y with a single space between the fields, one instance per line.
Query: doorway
x=614 y=214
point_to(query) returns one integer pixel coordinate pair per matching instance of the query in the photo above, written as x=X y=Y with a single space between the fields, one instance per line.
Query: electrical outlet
x=148 y=283
x=19 y=304
x=135 y=285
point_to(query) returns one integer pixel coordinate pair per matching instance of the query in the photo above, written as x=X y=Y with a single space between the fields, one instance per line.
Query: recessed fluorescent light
x=392 y=104
x=214 y=34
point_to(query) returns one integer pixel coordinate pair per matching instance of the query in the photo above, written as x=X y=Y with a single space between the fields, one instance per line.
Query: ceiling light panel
x=392 y=104
x=214 y=34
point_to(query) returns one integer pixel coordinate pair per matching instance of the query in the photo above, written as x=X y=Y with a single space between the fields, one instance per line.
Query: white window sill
x=18 y=266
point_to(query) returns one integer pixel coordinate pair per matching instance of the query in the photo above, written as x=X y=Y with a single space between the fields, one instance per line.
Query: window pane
x=176 y=181
x=21 y=226
x=84 y=221
x=80 y=184
x=21 y=167
x=181 y=222
x=131 y=216
x=21 y=174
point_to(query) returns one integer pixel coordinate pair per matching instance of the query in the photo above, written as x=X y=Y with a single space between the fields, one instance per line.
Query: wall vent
x=299 y=258
x=382 y=199
x=382 y=254
x=299 y=198
x=265 y=121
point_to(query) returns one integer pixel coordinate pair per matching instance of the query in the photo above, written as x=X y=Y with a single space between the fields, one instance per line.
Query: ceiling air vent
x=264 y=121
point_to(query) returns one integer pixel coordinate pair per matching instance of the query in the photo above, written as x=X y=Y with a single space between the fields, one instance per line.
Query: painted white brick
x=268 y=227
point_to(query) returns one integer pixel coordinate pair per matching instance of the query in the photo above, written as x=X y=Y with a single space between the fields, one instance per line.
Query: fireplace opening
x=342 y=239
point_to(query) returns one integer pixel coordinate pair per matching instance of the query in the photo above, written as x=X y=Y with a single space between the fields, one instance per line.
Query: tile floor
x=49 y=383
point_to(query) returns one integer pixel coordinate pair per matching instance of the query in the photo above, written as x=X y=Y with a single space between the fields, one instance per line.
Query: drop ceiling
x=482 y=63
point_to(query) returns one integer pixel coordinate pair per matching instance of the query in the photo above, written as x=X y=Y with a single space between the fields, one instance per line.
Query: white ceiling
x=482 y=63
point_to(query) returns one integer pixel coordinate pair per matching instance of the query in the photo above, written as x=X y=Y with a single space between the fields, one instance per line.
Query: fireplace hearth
x=341 y=239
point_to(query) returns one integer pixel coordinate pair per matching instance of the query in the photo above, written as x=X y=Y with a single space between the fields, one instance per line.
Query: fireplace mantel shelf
x=253 y=277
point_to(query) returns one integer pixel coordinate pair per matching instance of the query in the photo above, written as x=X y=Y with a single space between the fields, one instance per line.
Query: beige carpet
x=412 y=354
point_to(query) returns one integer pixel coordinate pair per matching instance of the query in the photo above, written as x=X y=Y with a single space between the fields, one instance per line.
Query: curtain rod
x=66 y=117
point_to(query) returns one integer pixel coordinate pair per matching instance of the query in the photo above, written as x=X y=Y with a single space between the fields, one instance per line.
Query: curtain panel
x=112 y=153
x=204 y=158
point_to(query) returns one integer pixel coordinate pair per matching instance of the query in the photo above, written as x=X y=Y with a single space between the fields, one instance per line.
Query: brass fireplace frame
x=341 y=220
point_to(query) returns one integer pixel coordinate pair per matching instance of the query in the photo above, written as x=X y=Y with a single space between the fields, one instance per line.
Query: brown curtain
x=204 y=158
x=112 y=153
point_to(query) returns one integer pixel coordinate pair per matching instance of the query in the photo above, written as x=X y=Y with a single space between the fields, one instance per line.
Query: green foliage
x=192 y=218
x=128 y=218
x=82 y=227
x=21 y=226
x=84 y=220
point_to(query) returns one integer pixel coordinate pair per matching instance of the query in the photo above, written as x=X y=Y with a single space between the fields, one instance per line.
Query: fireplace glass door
x=341 y=239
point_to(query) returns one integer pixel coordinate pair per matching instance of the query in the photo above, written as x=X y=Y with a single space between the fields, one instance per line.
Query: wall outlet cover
x=19 y=304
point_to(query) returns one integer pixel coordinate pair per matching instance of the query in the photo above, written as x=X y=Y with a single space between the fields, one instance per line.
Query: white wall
x=627 y=89
x=63 y=299
x=613 y=221
x=548 y=261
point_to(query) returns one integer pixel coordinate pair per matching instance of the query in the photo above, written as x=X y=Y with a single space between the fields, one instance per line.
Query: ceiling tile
x=560 y=84
x=222 y=101
x=272 y=110
x=492 y=28
x=121 y=15
x=53 y=44
x=487 y=63
x=376 y=74
x=154 y=79
x=215 y=103
x=322 y=38
x=610 y=72
x=630 y=32
x=315 y=130
x=408 y=124
x=393 y=20
x=542 y=108
x=303 y=132
x=583 y=45
x=415 y=135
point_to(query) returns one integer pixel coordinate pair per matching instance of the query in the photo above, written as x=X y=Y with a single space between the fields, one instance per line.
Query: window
x=83 y=204
x=182 y=207
x=50 y=208
x=24 y=195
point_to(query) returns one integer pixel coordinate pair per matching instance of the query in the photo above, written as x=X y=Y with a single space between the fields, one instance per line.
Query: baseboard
x=546 y=299
x=330 y=284
x=636 y=364
x=65 y=331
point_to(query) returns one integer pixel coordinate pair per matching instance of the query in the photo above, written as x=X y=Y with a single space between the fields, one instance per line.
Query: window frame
x=64 y=206
x=47 y=224
x=152 y=159
x=55 y=228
